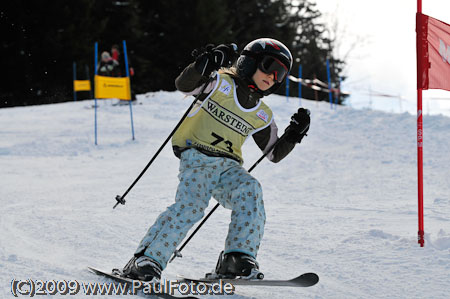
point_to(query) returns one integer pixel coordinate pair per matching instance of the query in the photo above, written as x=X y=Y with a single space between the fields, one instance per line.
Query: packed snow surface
x=343 y=204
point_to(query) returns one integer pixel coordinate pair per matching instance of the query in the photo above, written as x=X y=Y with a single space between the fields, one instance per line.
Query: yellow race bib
x=220 y=125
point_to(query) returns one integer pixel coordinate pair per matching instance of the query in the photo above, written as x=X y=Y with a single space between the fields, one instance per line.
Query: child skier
x=208 y=143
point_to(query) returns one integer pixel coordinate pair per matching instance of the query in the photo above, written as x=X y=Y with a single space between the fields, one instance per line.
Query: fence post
x=300 y=84
x=287 y=87
x=95 y=98
x=74 y=78
x=127 y=70
x=329 y=84
x=89 y=78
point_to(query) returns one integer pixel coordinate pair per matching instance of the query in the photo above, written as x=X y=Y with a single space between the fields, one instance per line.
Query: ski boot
x=141 y=268
x=236 y=265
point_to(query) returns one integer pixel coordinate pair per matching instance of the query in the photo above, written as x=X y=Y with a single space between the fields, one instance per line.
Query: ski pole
x=121 y=199
x=177 y=252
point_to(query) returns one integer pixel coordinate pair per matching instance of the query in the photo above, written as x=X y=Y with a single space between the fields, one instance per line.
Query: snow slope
x=343 y=204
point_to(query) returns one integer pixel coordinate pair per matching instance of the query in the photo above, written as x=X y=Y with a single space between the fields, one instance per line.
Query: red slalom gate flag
x=433 y=53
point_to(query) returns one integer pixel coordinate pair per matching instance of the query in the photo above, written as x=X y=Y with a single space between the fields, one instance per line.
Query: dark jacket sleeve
x=265 y=140
x=189 y=79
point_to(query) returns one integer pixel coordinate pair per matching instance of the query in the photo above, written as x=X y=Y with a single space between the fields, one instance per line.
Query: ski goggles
x=271 y=65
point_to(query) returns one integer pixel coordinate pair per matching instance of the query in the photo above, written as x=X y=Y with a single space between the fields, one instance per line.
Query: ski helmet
x=270 y=56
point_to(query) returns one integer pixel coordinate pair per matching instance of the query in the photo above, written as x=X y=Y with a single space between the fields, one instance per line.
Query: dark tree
x=41 y=39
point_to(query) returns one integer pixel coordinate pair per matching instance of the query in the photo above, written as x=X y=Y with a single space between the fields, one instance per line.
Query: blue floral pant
x=200 y=178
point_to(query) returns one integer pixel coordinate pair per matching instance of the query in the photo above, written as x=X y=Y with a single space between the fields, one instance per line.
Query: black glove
x=210 y=58
x=298 y=126
x=225 y=55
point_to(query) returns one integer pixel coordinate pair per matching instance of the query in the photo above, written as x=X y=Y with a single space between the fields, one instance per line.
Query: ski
x=133 y=286
x=304 y=280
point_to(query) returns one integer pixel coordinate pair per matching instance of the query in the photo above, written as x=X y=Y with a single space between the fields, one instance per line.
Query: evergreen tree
x=41 y=39
x=39 y=46
x=311 y=48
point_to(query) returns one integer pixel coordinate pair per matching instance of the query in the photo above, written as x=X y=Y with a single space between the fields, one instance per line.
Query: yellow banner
x=112 y=88
x=81 y=85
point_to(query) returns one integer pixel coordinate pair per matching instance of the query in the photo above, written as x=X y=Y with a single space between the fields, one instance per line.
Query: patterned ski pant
x=200 y=178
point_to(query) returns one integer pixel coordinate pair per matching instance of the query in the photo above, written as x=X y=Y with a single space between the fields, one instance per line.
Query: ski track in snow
x=343 y=204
